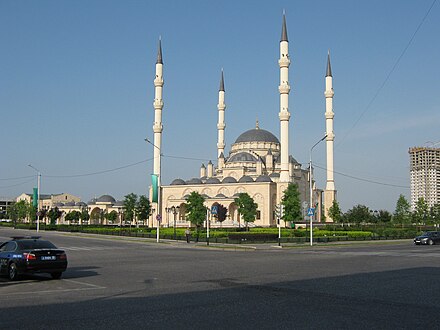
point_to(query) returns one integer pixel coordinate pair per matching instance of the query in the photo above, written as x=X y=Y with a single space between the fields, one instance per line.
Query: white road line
x=83 y=283
x=88 y=287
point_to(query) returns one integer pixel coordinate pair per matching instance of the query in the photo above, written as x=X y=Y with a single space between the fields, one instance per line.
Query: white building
x=258 y=162
x=425 y=175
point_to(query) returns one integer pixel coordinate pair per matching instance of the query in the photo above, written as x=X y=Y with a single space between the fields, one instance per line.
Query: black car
x=430 y=238
x=29 y=255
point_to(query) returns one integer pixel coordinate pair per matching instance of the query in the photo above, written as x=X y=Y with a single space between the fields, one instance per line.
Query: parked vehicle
x=429 y=238
x=28 y=255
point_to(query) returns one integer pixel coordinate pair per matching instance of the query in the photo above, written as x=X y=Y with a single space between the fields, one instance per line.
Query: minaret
x=284 y=114
x=157 y=127
x=221 y=118
x=330 y=191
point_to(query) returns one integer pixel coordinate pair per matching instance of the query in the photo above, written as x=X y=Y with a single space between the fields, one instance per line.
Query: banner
x=154 y=183
x=35 y=198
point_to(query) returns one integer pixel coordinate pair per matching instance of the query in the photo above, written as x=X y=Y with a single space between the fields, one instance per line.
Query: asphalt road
x=114 y=283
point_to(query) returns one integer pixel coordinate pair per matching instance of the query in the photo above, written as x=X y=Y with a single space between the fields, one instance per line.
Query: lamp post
x=311 y=190
x=158 y=216
x=175 y=210
x=38 y=195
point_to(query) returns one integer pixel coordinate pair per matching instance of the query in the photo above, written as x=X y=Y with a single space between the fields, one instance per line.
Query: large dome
x=257 y=135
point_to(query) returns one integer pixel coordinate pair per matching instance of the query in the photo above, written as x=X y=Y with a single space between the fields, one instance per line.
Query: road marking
x=83 y=283
x=89 y=287
x=89 y=248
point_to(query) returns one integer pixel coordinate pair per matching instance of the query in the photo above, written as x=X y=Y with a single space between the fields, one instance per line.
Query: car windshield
x=35 y=244
x=427 y=233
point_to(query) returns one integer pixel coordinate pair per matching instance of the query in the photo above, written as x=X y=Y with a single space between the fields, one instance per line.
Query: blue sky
x=76 y=89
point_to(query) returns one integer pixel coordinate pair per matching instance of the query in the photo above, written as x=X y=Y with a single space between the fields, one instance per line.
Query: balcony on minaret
x=221 y=126
x=157 y=128
x=221 y=106
x=329 y=93
x=158 y=82
x=284 y=61
x=158 y=104
x=284 y=88
x=329 y=115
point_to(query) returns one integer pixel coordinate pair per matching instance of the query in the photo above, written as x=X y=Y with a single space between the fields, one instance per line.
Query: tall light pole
x=38 y=195
x=311 y=190
x=158 y=216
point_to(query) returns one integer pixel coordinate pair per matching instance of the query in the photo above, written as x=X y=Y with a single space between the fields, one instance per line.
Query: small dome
x=106 y=199
x=80 y=204
x=213 y=181
x=246 y=178
x=274 y=175
x=194 y=181
x=185 y=197
x=69 y=204
x=242 y=157
x=177 y=182
x=119 y=203
x=205 y=196
x=263 y=178
x=220 y=196
x=92 y=201
x=229 y=179
x=257 y=135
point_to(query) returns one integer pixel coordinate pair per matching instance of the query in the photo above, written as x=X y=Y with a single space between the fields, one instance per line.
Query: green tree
x=222 y=213
x=247 y=208
x=358 y=214
x=402 y=214
x=54 y=214
x=335 y=212
x=384 y=216
x=85 y=216
x=129 y=207
x=195 y=209
x=73 y=216
x=421 y=211
x=111 y=217
x=18 y=211
x=143 y=208
x=291 y=204
x=434 y=214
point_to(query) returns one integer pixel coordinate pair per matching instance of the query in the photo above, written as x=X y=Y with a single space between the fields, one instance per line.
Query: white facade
x=425 y=175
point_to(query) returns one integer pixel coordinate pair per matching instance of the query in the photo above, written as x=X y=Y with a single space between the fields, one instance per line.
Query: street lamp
x=311 y=190
x=38 y=195
x=158 y=216
x=175 y=210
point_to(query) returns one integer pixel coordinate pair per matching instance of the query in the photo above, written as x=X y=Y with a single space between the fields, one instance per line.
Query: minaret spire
x=159 y=52
x=221 y=106
x=329 y=67
x=222 y=83
x=284 y=29
x=330 y=191
x=284 y=114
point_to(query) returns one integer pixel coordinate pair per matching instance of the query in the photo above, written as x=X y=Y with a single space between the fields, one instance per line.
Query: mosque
x=258 y=162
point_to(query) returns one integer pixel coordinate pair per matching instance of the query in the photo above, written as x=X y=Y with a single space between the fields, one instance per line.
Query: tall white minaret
x=158 y=105
x=221 y=118
x=284 y=114
x=330 y=191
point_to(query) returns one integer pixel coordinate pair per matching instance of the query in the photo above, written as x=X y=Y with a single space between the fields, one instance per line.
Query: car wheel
x=56 y=275
x=431 y=242
x=12 y=271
